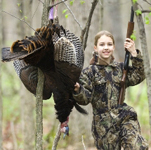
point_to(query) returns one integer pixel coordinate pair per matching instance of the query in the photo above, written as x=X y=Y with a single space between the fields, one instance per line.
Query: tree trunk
x=146 y=58
x=39 y=91
x=1 y=110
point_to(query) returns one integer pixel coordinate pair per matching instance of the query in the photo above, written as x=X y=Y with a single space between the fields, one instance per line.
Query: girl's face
x=105 y=48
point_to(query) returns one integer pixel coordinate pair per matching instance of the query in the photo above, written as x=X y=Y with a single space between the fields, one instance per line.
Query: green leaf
x=18 y=4
x=138 y=12
x=147 y=20
x=133 y=37
x=25 y=17
x=82 y=2
x=71 y=2
x=150 y=14
x=64 y=11
x=134 y=1
x=67 y=15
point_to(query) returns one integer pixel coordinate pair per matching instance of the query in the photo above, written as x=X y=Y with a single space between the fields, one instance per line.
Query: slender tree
x=1 y=110
x=143 y=39
x=39 y=91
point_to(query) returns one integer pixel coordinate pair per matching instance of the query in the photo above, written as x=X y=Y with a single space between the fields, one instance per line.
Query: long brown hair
x=101 y=33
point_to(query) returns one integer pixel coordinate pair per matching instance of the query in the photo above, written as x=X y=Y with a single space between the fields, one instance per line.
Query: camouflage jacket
x=100 y=83
x=100 y=86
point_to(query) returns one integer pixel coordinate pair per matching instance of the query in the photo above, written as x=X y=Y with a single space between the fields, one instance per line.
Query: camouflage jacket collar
x=95 y=60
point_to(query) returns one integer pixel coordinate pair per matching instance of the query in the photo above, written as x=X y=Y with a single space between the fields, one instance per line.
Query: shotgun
x=126 y=61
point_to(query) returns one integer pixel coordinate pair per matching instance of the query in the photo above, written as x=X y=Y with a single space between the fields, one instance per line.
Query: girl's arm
x=83 y=90
x=136 y=71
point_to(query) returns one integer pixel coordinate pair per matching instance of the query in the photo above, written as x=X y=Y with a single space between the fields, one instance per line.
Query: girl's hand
x=130 y=46
x=77 y=87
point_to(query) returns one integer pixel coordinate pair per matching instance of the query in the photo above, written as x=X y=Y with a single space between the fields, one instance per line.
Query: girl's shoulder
x=119 y=64
x=90 y=70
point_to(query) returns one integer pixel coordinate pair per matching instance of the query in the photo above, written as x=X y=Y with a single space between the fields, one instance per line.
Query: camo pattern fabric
x=113 y=127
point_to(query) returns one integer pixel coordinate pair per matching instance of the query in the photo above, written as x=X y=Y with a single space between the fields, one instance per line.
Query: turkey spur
x=59 y=54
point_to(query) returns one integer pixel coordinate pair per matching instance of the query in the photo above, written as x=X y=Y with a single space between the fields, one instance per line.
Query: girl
x=113 y=127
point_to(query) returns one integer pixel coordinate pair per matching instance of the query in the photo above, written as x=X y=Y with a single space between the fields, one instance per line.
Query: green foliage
x=147 y=20
x=136 y=97
x=138 y=12
x=133 y=37
x=18 y=4
x=25 y=17
x=71 y=2
x=64 y=11
x=82 y=2
x=67 y=15
x=134 y=1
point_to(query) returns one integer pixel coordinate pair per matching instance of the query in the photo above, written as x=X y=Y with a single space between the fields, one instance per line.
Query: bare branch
x=36 y=10
x=146 y=11
x=85 y=31
x=73 y=15
x=20 y=20
x=57 y=138
x=41 y=1
x=147 y=2
x=56 y=4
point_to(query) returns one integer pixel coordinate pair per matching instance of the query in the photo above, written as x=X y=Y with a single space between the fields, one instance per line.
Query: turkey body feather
x=59 y=54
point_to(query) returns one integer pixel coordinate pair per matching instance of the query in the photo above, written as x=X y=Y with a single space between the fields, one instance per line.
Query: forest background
x=18 y=125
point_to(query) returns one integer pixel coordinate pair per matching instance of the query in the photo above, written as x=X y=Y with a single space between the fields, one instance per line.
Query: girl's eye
x=110 y=44
x=101 y=44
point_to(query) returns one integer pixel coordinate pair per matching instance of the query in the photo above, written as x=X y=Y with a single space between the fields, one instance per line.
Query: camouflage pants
x=113 y=131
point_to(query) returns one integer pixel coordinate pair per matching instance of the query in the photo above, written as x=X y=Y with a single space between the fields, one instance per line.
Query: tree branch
x=49 y=7
x=35 y=10
x=72 y=14
x=85 y=31
x=147 y=2
x=57 y=138
x=39 y=92
x=20 y=20
x=41 y=1
x=146 y=11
